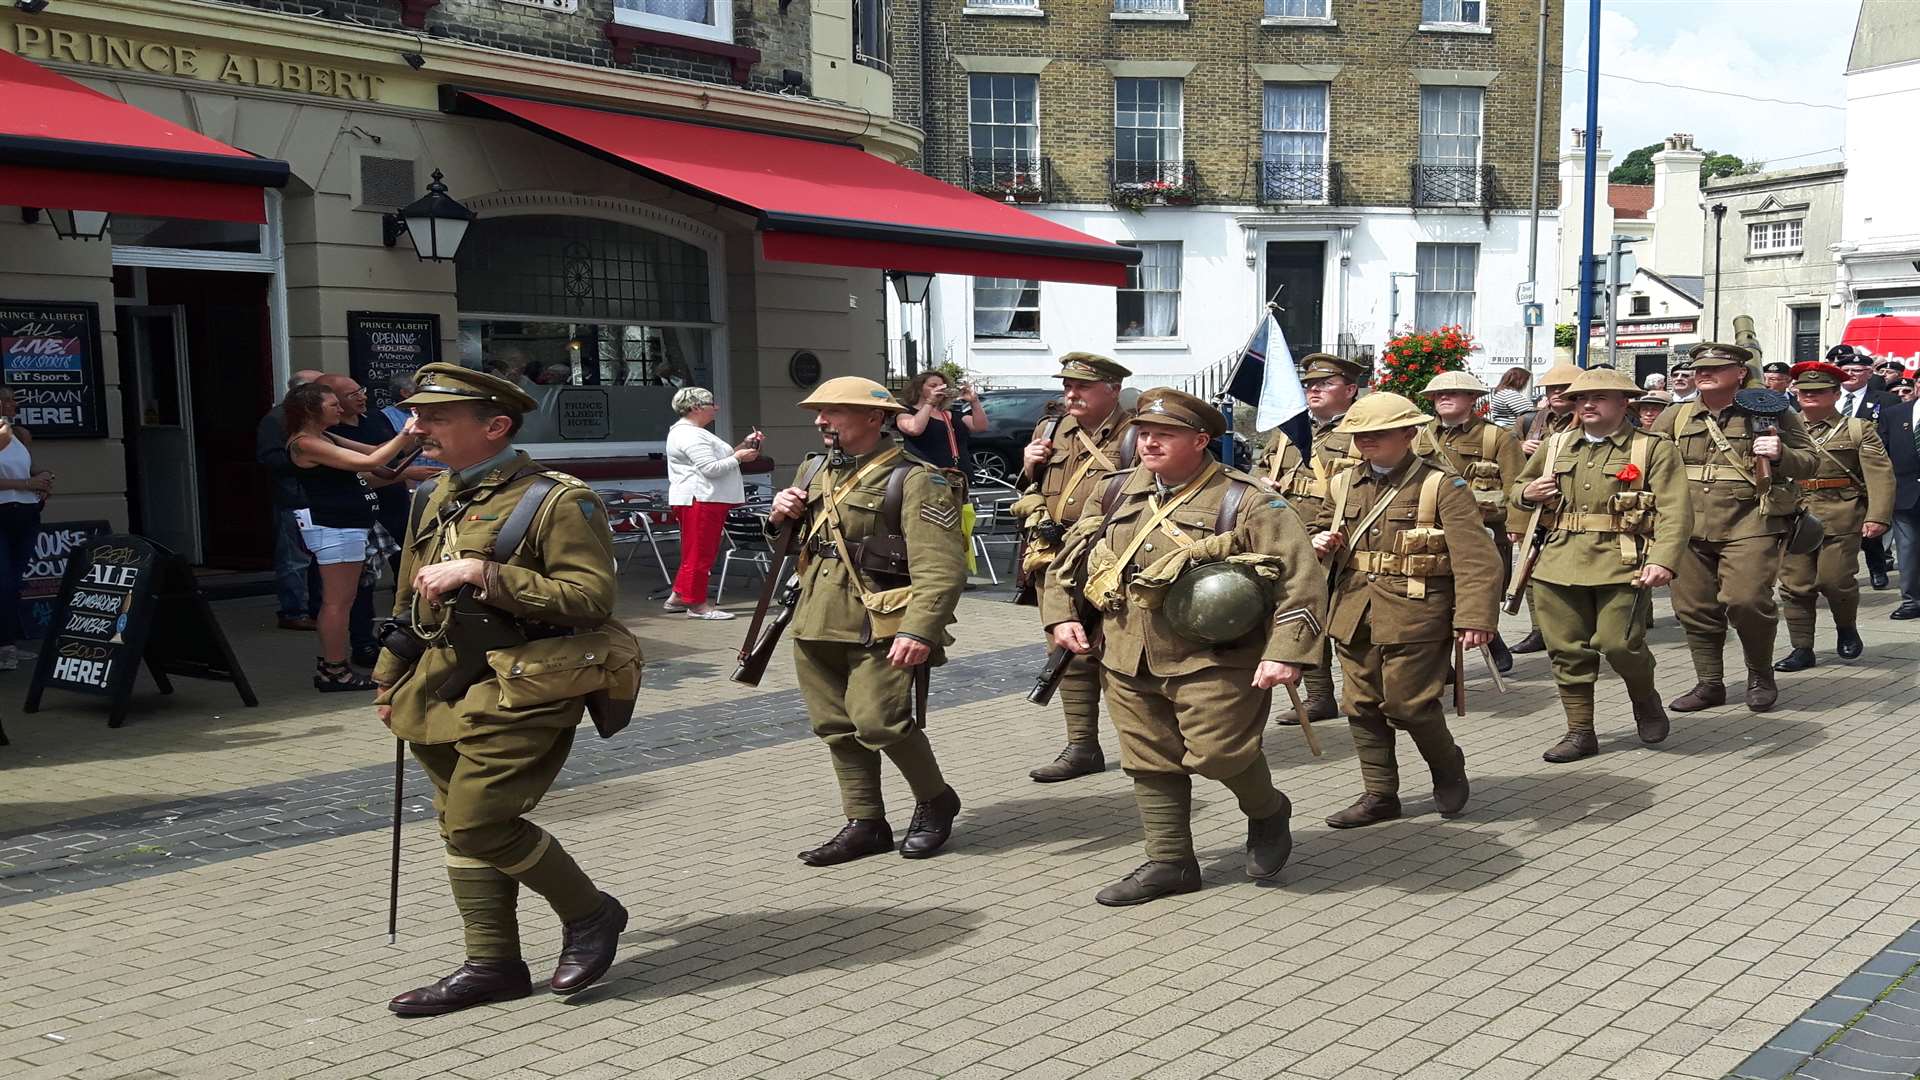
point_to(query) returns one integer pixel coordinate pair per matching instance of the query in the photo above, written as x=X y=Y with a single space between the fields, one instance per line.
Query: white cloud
x=1786 y=49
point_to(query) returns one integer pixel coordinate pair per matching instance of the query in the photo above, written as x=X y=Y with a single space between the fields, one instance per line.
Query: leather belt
x=1710 y=473
x=822 y=548
x=1383 y=562
x=1827 y=484
x=1573 y=521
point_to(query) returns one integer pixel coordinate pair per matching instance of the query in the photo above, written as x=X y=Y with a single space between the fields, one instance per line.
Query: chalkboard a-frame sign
x=126 y=601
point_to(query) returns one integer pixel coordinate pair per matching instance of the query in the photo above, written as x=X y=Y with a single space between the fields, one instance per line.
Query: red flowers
x=1629 y=473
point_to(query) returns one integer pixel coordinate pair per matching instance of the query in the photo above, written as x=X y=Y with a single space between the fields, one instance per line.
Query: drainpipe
x=1719 y=218
x=1539 y=117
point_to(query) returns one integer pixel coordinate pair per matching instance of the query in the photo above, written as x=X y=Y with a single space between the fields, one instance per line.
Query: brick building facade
x=1369 y=159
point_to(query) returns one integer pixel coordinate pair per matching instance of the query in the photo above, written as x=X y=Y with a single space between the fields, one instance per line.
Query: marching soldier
x=1741 y=517
x=1851 y=491
x=882 y=570
x=1649 y=405
x=1554 y=415
x=1413 y=569
x=1210 y=597
x=1486 y=455
x=1613 y=503
x=1331 y=384
x=1062 y=464
x=493 y=748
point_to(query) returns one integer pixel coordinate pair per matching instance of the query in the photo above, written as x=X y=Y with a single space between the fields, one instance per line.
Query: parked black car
x=1011 y=417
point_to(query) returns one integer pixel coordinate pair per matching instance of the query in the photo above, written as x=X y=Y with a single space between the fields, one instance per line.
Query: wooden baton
x=1306 y=725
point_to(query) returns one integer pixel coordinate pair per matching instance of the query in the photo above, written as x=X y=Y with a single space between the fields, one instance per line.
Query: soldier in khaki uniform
x=1182 y=705
x=1332 y=383
x=1851 y=492
x=1739 y=525
x=493 y=751
x=1554 y=415
x=1482 y=452
x=864 y=634
x=1649 y=405
x=1413 y=569
x=1612 y=501
x=1067 y=456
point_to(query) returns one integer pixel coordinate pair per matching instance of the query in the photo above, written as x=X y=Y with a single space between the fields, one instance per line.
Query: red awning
x=65 y=147
x=823 y=202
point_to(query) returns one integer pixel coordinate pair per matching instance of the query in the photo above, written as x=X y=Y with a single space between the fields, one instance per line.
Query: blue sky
x=1784 y=49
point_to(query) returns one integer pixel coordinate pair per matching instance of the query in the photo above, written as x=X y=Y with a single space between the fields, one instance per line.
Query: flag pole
x=1224 y=399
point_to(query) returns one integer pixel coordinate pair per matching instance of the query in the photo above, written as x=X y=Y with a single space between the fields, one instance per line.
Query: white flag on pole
x=1281 y=396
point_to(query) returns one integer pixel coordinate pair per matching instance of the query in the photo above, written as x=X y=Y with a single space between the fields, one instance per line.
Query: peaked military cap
x=1176 y=408
x=1653 y=397
x=442 y=383
x=851 y=390
x=1326 y=365
x=1090 y=367
x=1454 y=382
x=1719 y=354
x=1818 y=375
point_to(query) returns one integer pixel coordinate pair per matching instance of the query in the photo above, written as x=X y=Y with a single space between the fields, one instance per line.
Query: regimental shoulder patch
x=937 y=479
x=1307 y=623
x=1277 y=503
x=587 y=508
x=1457 y=482
x=940 y=514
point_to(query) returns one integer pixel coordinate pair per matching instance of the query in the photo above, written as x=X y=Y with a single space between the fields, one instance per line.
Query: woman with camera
x=703 y=483
x=937 y=431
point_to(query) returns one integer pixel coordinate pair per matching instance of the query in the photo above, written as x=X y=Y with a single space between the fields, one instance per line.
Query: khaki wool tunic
x=1283 y=467
x=1589 y=475
x=1726 y=505
x=1071 y=458
x=1854 y=452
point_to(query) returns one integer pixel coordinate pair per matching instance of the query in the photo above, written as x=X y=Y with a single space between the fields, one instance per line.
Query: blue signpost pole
x=1581 y=334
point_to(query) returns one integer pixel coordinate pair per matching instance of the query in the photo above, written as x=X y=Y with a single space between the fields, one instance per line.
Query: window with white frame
x=1146 y=131
x=1293 y=142
x=1003 y=128
x=1005 y=308
x=1773 y=237
x=710 y=19
x=1148 y=305
x=1450 y=125
x=1297 y=9
x=870 y=43
x=1443 y=293
x=1453 y=13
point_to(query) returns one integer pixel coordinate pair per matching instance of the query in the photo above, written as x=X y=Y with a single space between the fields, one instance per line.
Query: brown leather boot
x=1532 y=643
x=1450 y=789
x=1368 y=809
x=855 y=840
x=587 y=947
x=1572 y=746
x=1151 y=881
x=1651 y=721
x=1078 y=759
x=1762 y=692
x=1319 y=710
x=477 y=982
x=1705 y=695
x=932 y=824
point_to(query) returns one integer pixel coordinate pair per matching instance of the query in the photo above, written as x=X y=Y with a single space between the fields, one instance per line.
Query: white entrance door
x=161 y=426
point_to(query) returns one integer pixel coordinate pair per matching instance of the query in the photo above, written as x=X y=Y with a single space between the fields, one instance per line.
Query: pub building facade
x=605 y=200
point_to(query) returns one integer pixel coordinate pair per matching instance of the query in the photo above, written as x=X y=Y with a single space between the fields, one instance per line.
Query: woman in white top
x=703 y=483
x=22 y=492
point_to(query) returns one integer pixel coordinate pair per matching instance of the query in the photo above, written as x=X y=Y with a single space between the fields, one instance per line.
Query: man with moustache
x=1180 y=704
x=1061 y=469
x=1851 y=491
x=1613 y=501
x=868 y=625
x=1740 y=521
x=1331 y=384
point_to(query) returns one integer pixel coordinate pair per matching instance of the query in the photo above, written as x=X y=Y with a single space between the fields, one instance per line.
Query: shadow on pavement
x=1415 y=854
x=1732 y=729
x=754 y=946
x=1100 y=815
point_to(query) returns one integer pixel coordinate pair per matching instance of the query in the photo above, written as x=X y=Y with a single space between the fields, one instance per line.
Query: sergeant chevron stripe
x=947 y=517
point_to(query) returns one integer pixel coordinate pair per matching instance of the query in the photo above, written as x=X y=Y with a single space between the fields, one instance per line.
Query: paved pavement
x=202 y=894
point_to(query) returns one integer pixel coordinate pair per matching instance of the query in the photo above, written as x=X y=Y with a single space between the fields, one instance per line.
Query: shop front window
x=600 y=322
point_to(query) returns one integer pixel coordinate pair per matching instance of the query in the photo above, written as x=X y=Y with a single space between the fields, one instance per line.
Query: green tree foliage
x=1637 y=167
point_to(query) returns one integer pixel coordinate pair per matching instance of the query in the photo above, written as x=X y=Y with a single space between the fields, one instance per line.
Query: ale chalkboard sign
x=127 y=601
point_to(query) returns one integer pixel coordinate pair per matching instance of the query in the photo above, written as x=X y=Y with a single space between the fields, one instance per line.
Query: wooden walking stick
x=1306 y=725
x=1493 y=669
x=393 y=877
x=1459 y=677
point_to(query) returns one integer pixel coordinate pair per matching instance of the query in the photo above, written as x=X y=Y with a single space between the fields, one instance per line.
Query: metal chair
x=637 y=516
x=745 y=533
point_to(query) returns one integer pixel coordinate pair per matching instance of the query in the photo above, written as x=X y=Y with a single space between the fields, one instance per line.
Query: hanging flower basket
x=1412 y=360
x=1138 y=196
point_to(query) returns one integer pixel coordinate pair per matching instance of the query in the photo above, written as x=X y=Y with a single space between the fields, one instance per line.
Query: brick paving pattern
x=1646 y=913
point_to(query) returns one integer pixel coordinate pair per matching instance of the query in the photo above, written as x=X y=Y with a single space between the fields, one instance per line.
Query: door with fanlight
x=159 y=414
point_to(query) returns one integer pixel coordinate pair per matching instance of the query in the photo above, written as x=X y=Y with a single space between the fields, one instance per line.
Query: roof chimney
x=1679 y=221
x=1572 y=184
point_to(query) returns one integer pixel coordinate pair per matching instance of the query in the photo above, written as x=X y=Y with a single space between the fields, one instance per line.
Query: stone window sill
x=1454 y=28
x=1009 y=345
x=1173 y=344
x=1148 y=16
x=1794 y=253
x=1013 y=12
x=1299 y=20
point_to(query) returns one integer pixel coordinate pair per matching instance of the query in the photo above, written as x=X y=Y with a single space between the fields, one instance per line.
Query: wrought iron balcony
x=1452 y=185
x=1014 y=180
x=1315 y=183
x=1134 y=183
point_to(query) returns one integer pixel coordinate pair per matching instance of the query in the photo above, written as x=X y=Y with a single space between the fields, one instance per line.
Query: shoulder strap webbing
x=1639 y=446
x=1337 y=490
x=1682 y=415
x=896 y=496
x=1110 y=497
x=420 y=495
x=1859 y=434
x=514 y=531
x=1488 y=435
x=1429 y=509
x=1229 y=515
x=1128 y=439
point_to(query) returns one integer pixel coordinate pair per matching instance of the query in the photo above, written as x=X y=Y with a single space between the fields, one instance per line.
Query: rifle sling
x=803 y=481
